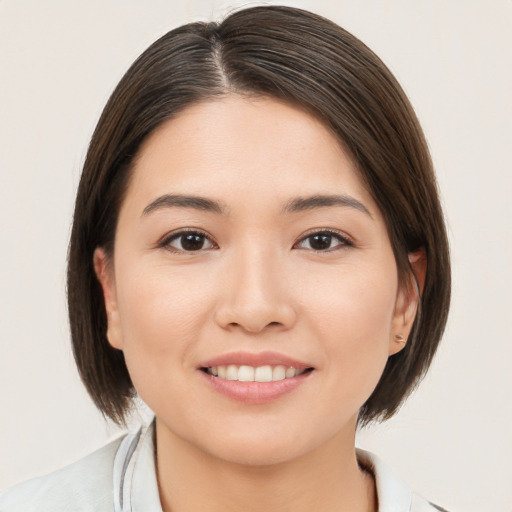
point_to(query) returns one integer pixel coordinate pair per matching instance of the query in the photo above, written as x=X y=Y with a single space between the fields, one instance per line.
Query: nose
x=257 y=295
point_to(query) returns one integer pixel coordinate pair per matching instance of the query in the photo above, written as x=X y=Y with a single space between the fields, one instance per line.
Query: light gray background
x=59 y=61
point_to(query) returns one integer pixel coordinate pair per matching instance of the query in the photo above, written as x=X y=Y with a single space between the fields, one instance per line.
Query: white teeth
x=279 y=373
x=290 y=372
x=232 y=372
x=263 y=374
x=247 y=373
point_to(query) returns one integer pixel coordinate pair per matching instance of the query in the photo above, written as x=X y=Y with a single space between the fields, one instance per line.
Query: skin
x=255 y=284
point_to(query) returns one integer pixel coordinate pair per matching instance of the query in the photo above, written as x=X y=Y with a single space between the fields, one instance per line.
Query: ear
x=105 y=274
x=407 y=302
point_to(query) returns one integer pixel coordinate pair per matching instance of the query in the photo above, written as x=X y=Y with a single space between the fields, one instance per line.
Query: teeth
x=290 y=372
x=278 y=373
x=232 y=372
x=263 y=374
x=246 y=373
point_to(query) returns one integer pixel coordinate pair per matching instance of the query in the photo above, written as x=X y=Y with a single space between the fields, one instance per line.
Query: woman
x=258 y=252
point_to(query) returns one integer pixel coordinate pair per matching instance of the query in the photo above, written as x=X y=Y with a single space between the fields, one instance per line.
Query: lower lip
x=255 y=392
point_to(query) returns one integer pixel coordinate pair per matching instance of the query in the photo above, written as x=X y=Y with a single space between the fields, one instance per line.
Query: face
x=248 y=248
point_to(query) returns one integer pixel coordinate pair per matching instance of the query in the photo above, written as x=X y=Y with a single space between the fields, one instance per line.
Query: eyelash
x=345 y=241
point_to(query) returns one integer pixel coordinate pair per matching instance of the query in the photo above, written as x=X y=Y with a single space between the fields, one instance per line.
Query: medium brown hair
x=295 y=56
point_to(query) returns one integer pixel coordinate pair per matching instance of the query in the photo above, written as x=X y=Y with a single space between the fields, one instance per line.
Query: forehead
x=236 y=148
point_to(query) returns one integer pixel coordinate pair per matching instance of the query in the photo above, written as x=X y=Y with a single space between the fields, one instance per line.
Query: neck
x=327 y=479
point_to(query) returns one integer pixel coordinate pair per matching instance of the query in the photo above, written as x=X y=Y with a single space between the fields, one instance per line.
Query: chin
x=255 y=454
x=262 y=446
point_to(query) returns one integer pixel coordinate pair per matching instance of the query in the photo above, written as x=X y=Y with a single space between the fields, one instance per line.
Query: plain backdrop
x=59 y=61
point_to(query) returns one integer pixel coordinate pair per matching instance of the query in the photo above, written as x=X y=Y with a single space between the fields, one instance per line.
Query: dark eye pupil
x=192 y=242
x=320 y=241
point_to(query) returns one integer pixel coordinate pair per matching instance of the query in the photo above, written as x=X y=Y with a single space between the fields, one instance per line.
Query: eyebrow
x=298 y=204
x=183 y=201
x=301 y=204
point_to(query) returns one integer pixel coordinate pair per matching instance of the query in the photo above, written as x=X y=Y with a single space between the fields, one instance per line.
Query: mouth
x=255 y=378
x=246 y=373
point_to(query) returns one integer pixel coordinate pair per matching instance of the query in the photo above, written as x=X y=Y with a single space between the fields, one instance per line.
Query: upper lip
x=256 y=359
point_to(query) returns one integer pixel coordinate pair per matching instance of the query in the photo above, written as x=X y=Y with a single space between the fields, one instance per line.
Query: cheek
x=355 y=300
x=352 y=318
x=162 y=313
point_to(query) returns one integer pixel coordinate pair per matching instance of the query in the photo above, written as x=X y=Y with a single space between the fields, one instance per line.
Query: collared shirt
x=121 y=477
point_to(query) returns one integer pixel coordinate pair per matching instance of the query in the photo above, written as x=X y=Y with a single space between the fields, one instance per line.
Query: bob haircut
x=310 y=62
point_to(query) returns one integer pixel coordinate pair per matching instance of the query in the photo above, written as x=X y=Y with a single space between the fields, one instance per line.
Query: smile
x=244 y=373
x=255 y=378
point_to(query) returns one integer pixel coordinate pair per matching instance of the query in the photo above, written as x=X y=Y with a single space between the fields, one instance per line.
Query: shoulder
x=393 y=493
x=85 y=485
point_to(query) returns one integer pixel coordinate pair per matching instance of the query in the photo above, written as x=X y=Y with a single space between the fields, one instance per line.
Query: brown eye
x=324 y=241
x=187 y=241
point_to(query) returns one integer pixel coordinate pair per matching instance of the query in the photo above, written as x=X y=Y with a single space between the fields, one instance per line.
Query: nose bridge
x=257 y=294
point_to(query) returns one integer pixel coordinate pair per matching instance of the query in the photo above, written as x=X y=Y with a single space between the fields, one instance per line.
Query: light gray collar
x=135 y=482
x=393 y=494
